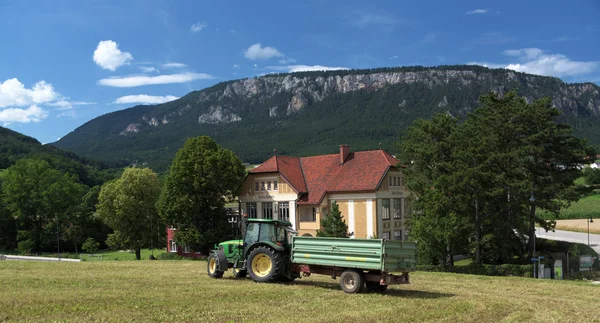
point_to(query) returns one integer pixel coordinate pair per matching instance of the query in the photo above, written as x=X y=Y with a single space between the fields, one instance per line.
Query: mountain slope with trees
x=312 y=112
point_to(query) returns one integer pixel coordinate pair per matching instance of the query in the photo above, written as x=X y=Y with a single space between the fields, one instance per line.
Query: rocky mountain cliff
x=313 y=112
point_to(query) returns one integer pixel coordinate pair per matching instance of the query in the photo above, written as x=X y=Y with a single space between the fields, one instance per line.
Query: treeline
x=49 y=209
x=478 y=184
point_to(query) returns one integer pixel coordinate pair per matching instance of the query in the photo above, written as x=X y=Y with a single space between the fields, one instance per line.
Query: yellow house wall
x=360 y=219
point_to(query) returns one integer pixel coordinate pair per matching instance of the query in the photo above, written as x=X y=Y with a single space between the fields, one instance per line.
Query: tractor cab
x=275 y=233
x=265 y=247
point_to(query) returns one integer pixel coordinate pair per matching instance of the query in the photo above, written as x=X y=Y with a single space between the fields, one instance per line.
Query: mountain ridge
x=307 y=113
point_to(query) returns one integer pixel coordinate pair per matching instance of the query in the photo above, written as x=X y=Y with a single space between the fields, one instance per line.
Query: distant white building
x=595 y=165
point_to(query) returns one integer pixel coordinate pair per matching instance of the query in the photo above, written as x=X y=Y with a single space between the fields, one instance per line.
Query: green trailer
x=272 y=251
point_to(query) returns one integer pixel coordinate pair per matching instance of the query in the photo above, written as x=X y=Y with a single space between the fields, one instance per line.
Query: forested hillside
x=313 y=112
x=15 y=146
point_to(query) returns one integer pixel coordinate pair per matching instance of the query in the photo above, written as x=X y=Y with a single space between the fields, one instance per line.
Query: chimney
x=344 y=152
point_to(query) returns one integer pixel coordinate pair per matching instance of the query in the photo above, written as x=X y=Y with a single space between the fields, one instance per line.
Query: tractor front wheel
x=265 y=264
x=212 y=265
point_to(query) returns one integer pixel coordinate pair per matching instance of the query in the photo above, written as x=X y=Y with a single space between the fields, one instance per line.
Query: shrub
x=90 y=245
x=25 y=246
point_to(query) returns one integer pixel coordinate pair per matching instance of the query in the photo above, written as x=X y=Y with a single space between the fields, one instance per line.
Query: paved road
x=569 y=236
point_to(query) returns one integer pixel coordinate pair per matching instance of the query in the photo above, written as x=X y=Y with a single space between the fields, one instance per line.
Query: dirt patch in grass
x=181 y=291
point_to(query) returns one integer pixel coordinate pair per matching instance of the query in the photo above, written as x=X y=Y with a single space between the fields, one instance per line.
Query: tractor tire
x=239 y=273
x=376 y=287
x=212 y=265
x=352 y=281
x=265 y=265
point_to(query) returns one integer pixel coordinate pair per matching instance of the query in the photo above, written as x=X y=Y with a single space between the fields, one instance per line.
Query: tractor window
x=267 y=232
x=251 y=233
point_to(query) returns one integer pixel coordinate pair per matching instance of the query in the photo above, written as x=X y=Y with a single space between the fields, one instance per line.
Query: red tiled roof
x=362 y=171
x=288 y=167
x=318 y=175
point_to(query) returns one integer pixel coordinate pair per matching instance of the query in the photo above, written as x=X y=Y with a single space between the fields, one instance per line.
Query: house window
x=251 y=210
x=308 y=215
x=186 y=249
x=262 y=186
x=394 y=181
x=385 y=209
x=390 y=181
x=284 y=211
x=269 y=185
x=256 y=187
x=173 y=246
x=397 y=209
x=275 y=186
x=267 y=210
x=397 y=235
x=401 y=180
x=386 y=235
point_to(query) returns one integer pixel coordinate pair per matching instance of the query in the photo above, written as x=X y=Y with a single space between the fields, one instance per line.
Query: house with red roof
x=368 y=186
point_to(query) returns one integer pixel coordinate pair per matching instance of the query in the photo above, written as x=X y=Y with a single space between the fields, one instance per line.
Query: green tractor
x=263 y=253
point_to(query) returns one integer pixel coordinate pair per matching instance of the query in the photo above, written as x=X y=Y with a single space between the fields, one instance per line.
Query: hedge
x=486 y=270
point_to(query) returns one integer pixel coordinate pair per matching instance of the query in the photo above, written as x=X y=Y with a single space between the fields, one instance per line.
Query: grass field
x=181 y=291
x=126 y=255
x=586 y=207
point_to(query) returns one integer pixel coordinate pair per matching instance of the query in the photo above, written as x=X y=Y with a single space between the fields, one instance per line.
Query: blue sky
x=63 y=63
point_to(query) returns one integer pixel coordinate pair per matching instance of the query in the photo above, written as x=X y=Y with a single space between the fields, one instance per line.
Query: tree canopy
x=128 y=206
x=203 y=175
x=483 y=180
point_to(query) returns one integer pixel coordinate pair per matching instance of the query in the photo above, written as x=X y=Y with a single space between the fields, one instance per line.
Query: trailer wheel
x=212 y=265
x=352 y=281
x=376 y=287
x=265 y=264
x=239 y=273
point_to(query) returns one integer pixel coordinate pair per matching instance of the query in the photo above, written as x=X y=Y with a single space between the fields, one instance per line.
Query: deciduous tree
x=128 y=206
x=202 y=176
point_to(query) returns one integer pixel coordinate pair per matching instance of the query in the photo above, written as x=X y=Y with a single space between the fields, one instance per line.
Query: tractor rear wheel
x=352 y=281
x=265 y=264
x=212 y=265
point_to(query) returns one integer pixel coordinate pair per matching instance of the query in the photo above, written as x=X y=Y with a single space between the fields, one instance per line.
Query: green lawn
x=586 y=207
x=126 y=255
x=181 y=291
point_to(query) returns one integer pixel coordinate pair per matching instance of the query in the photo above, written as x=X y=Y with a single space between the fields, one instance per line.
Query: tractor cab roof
x=282 y=223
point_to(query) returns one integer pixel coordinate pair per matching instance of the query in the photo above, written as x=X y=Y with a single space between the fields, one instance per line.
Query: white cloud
x=108 y=56
x=31 y=114
x=236 y=66
x=232 y=31
x=199 y=26
x=256 y=51
x=68 y=113
x=139 y=80
x=476 y=12
x=394 y=57
x=304 y=68
x=14 y=93
x=145 y=99
x=375 y=19
x=64 y=104
x=149 y=69
x=287 y=61
x=536 y=61
x=173 y=65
